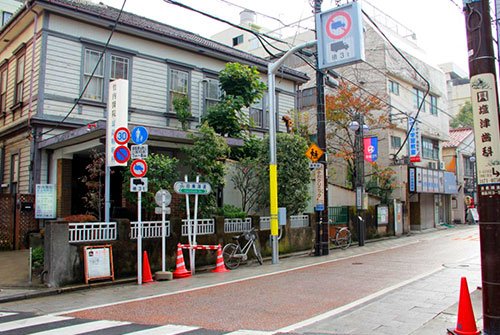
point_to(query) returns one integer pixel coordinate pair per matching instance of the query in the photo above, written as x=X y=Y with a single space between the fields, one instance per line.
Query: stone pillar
x=57 y=254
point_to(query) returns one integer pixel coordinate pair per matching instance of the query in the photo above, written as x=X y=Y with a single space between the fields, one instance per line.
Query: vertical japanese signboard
x=340 y=36
x=117 y=117
x=320 y=188
x=414 y=140
x=486 y=128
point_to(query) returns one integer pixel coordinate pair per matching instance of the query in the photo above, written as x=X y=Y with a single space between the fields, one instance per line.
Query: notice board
x=98 y=262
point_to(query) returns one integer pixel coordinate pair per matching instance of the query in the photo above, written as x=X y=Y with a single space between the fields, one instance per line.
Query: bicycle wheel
x=256 y=251
x=343 y=238
x=228 y=253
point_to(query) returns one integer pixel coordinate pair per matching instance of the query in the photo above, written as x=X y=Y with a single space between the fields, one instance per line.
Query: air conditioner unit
x=441 y=166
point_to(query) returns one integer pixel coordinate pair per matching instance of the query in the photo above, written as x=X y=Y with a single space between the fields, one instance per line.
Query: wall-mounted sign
x=486 y=128
x=422 y=180
x=414 y=140
x=45 y=201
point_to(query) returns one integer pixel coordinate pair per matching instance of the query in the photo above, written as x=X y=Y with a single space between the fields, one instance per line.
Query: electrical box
x=282 y=216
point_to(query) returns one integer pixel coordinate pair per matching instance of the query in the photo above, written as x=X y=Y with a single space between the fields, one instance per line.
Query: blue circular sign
x=139 y=135
x=121 y=154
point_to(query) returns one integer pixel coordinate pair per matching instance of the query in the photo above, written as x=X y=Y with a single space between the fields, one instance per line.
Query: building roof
x=457 y=136
x=169 y=33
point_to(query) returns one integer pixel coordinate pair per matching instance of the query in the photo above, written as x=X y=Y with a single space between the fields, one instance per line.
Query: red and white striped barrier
x=200 y=247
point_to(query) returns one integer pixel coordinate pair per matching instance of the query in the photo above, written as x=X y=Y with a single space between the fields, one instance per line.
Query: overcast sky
x=439 y=24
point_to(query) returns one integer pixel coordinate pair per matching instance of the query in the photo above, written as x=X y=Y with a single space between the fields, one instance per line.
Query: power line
x=91 y=75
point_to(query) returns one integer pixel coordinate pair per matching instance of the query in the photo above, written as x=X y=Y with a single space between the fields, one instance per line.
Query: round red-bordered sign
x=345 y=30
x=122 y=135
x=121 y=154
x=139 y=168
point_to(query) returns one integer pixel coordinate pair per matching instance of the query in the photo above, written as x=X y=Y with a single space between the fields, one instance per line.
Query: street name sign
x=182 y=187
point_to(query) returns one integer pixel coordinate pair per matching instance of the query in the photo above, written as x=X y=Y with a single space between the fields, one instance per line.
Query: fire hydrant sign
x=340 y=36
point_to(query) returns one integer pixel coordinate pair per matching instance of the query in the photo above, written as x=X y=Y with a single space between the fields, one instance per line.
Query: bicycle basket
x=247 y=235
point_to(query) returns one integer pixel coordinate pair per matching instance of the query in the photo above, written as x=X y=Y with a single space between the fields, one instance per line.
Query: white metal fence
x=205 y=227
x=299 y=221
x=150 y=229
x=237 y=225
x=92 y=232
x=265 y=223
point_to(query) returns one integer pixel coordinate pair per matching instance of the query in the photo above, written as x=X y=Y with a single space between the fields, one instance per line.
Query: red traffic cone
x=466 y=322
x=180 y=268
x=220 y=261
x=147 y=278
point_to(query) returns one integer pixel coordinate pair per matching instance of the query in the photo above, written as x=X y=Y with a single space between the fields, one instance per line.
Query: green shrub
x=231 y=212
x=37 y=257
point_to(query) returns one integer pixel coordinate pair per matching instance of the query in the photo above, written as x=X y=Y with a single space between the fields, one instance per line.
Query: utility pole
x=360 y=176
x=487 y=139
x=322 y=244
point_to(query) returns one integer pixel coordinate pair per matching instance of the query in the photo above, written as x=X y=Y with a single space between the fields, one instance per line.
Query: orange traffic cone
x=220 y=261
x=147 y=278
x=466 y=322
x=180 y=268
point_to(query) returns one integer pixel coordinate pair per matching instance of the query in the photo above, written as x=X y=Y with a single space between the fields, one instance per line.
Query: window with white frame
x=5 y=17
x=430 y=148
x=111 y=67
x=20 y=62
x=418 y=97
x=259 y=113
x=3 y=91
x=434 y=108
x=95 y=87
x=212 y=93
x=119 y=67
x=394 y=87
x=178 y=85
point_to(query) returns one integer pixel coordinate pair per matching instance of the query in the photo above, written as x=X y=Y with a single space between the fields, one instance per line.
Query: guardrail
x=150 y=229
x=91 y=232
x=205 y=227
x=265 y=223
x=299 y=221
x=237 y=225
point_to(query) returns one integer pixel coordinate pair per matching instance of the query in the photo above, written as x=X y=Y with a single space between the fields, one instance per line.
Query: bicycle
x=342 y=238
x=233 y=254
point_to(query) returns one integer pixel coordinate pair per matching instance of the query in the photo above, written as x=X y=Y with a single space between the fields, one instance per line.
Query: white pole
x=139 y=239
x=190 y=239
x=195 y=226
x=163 y=232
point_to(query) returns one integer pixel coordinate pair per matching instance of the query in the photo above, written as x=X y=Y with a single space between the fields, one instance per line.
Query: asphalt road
x=270 y=297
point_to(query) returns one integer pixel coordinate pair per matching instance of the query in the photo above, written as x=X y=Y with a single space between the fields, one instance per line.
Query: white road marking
x=83 y=328
x=38 y=320
x=166 y=330
x=6 y=314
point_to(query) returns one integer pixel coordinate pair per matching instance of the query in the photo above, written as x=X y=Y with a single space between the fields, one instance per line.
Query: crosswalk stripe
x=83 y=328
x=249 y=332
x=166 y=330
x=31 y=322
x=2 y=314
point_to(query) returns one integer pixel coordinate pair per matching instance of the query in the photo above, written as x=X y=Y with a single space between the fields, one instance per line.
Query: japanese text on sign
x=486 y=131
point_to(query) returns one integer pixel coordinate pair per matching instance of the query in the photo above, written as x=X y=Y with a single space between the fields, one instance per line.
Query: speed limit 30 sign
x=122 y=135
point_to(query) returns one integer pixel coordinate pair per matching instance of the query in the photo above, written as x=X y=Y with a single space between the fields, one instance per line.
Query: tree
x=162 y=174
x=464 y=117
x=206 y=158
x=382 y=182
x=246 y=180
x=342 y=108
x=94 y=199
x=293 y=172
x=241 y=87
x=181 y=106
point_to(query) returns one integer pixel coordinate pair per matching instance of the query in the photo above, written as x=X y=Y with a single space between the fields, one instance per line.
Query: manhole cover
x=357 y=263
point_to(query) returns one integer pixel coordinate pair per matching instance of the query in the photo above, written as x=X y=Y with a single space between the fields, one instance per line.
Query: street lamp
x=358 y=126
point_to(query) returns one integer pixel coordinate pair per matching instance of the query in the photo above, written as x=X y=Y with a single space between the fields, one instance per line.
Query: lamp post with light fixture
x=359 y=127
